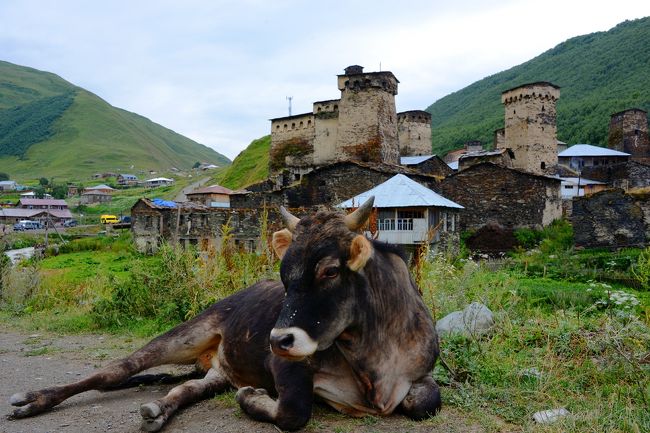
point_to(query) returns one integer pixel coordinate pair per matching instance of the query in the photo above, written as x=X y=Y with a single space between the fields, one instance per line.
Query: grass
x=250 y=166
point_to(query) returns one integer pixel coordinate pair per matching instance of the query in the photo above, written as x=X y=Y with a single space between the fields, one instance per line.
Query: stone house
x=8 y=185
x=509 y=197
x=191 y=223
x=92 y=197
x=427 y=164
x=626 y=175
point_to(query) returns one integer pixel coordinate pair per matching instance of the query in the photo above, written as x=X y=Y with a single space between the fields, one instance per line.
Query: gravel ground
x=31 y=362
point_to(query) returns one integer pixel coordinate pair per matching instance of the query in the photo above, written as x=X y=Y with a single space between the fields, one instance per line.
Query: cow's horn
x=290 y=221
x=359 y=217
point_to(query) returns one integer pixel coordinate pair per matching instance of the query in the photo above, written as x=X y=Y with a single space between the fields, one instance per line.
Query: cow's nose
x=282 y=341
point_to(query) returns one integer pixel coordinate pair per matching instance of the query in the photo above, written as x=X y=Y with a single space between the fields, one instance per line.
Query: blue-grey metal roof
x=581 y=181
x=590 y=150
x=453 y=165
x=414 y=160
x=400 y=191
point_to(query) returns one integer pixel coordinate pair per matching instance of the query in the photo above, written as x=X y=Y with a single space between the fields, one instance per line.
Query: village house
x=211 y=196
x=192 y=224
x=100 y=188
x=127 y=179
x=409 y=214
x=427 y=164
x=92 y=197
x=48 y=211
x=579 y=156
x=157 y=182
x=578 y=187
x=8 y=185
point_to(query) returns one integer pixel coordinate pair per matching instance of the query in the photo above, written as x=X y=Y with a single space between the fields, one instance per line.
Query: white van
x=27 y=225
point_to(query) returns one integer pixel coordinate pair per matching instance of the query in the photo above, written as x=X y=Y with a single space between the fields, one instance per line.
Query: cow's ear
x=360 y=252
x=281 y=241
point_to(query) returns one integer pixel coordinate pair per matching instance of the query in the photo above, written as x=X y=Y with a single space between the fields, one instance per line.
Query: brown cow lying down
x=346 y=326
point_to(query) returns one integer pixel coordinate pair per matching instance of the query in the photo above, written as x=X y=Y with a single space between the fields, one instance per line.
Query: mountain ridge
x=85 y=136
x=599 y=74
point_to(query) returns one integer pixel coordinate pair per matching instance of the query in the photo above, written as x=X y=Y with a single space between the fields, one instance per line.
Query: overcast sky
x=216 y=71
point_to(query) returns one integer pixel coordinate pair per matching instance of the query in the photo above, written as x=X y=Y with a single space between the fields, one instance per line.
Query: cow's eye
x=330 y=272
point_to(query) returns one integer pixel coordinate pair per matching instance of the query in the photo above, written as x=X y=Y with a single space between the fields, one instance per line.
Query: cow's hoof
x=152 y=417
x=28 y=401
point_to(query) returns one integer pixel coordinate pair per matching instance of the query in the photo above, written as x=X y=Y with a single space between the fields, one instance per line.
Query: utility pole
x=289 y=98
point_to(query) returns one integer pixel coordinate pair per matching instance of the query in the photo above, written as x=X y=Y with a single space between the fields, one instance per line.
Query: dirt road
x=29 y=362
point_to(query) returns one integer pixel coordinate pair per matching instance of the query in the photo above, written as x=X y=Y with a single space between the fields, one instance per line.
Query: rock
x=476 y=319
x=532 y=372
x=550 y=416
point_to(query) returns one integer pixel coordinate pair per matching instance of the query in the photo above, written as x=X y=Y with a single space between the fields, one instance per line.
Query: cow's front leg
x=292 y=409
x=423 y=399
x=155 y=414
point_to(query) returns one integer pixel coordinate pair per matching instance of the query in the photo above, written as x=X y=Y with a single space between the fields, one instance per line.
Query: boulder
x=476 y=319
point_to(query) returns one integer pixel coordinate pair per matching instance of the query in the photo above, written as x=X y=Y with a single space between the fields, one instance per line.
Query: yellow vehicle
x=109 y=219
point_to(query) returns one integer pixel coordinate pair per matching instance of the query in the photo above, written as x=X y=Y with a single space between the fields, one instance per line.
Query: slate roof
x=590 y=150
x=400 y=191
x=414 y=160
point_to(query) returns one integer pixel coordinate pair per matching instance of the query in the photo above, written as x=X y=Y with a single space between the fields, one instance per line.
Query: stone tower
x=530 y=126
x=367 y=119
x=414 y=133
x=628 y=132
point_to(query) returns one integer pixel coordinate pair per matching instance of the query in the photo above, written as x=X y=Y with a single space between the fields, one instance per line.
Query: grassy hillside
x=50 y=128
x=600 y=74
x=250 y=166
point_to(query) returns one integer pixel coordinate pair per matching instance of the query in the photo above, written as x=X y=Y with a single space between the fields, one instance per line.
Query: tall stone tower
x=414 y=133
x=530 y=126
x=628 y=132
x=367 y=128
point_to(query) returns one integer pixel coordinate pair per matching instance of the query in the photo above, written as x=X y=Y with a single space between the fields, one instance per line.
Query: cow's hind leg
x=423 y=399
x=178 y=346
x=156 y=414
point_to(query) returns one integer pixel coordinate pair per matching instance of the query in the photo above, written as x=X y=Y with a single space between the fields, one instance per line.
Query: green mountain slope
x=50 y=128
x=599 y=74
x=250 y=166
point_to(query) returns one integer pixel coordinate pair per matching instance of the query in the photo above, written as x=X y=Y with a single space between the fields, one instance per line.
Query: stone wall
x=611 y=219
x=630 y=174
x=507 y=197
x=530 y=126
x=433 y=166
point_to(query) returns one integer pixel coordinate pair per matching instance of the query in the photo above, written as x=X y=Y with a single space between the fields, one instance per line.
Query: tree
x=197 y=164
x=3 y=176
x=43 y=181
x=59 y=191
x=39 y=192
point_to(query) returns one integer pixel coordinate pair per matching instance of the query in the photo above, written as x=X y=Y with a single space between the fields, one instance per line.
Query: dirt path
x=181 y=195
x=35 y=361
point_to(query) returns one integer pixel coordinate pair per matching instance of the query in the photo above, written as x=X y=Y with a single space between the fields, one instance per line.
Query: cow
x=346 y=325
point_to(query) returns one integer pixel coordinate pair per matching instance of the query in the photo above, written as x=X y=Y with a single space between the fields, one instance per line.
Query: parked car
x=70 y=223
x=23 y=225
x=109 y=219
x=125 y=219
